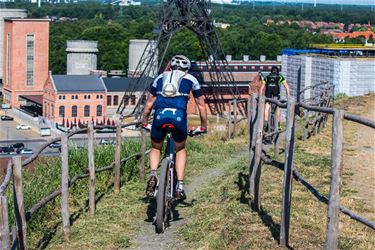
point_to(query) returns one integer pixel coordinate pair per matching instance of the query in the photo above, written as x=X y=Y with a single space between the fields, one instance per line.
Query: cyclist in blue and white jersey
x=169 y=94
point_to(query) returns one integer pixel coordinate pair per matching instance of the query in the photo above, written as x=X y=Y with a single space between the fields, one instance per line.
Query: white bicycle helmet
x=180 y=61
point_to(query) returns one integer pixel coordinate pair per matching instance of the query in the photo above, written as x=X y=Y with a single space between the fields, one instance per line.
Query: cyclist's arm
x=286 y=88
x=262 y=87
x=202 y=110
x=148 y=108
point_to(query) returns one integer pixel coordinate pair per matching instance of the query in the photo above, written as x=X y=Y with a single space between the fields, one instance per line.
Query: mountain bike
x=273 y=123
x=165 y=191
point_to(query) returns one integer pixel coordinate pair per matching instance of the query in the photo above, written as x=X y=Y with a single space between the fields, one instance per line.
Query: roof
x=26 y=19
x=78 y=83
x=33 y=98
x=121 y=84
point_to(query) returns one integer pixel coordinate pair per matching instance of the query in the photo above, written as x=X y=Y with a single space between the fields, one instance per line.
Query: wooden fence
x=257 y=156
x=14 y=171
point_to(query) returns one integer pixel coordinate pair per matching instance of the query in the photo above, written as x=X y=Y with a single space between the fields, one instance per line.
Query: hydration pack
x=171 y=83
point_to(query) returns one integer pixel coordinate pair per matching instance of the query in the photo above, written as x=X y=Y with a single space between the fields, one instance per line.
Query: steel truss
x=194 y=15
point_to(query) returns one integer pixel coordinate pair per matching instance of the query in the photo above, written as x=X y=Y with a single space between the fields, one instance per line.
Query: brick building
x=244 y=72
x=25 y=63
x=74 y=98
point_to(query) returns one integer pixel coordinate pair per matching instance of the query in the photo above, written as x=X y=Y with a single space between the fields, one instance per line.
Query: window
x=8 y=60
x=30 y=60
x=53 y=110
x=85 y=97
x=87 y=111
x=88 y=97
x=109 y=100
x=74 y=111
x=115 y=100
x=59 y=97
x=132 y=99
x=126 y=100
x=61 y=111
x=63 y=97
x=99 y=110
x=101 y=96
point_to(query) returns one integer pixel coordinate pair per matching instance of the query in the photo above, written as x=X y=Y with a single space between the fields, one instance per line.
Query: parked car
x=23 y=126
x=55 y=145
x=7 y=150
x=24 y=151
x=6 y=118
x=107 y=142
x=18 y=145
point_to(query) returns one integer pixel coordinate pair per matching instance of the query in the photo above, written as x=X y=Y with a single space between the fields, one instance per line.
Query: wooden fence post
x=90 y=152
x=117 y=169
x=276 y=138
x=234 y=118
x=256 y=164
x=306 y=127
x=65 y=187
x=254 y=102
x=4 y=223
x=229 y=131
x=18 y=202
x=143 y=152
x=332 y=232
x=288 y=173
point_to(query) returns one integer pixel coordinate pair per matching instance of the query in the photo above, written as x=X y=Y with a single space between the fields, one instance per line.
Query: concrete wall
x=6 y=13
x=81 y=58
x=136 y=50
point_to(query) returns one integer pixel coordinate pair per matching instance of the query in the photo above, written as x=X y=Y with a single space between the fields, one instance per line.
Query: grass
x=45 y=178
x=221 y=219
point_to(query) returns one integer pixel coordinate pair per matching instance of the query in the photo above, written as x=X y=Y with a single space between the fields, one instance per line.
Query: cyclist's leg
x=180 y=160
x=266 y=112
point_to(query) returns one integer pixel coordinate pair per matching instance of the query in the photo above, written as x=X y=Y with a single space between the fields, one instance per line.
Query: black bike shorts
x=272 y=92
x=177 y=117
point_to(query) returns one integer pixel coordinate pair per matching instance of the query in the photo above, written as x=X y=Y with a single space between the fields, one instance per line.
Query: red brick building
x=74 y=98
x=25 y=62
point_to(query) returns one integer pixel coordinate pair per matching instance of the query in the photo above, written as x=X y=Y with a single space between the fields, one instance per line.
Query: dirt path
x=149 y=240
x=359 y=153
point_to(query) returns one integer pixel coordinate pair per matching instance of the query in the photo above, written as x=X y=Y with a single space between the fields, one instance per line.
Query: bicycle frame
x=170 y=155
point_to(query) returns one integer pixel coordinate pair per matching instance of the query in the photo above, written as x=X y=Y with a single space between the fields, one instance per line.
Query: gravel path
x=149 y=240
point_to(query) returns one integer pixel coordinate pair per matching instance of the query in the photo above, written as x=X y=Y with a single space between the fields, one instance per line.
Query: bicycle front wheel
x=161 y=199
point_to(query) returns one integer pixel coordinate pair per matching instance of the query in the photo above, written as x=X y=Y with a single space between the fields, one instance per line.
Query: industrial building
x=350 y=75
x=25 y=67
x=7 y=13
x=81 y=57
x=136 y=50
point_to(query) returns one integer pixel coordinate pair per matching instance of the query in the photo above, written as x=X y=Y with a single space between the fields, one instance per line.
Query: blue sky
x=364 y=2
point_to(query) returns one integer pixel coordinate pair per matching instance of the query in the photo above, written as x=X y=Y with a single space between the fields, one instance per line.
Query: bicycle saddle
x=168 y=127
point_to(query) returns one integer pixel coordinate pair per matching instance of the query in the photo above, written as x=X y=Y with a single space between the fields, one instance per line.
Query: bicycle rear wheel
x=161 y=199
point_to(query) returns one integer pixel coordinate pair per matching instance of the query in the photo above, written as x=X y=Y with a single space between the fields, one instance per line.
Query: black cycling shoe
x=180 y=195
x=151 y=186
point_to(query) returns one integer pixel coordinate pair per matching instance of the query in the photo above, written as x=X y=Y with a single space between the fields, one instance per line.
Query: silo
x=7 y=13
x=136 y=49
x=81 y=58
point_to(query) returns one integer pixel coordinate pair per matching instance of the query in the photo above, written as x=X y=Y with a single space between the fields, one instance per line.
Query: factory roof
x=122 y=84
x=78 y=83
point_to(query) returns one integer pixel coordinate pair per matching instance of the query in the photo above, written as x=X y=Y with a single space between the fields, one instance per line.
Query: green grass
x=45 y=179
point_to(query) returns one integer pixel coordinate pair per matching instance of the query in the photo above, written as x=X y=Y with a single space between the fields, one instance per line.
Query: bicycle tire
x=161 y=198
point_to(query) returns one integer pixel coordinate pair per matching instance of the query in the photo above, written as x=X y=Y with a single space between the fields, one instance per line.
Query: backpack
x=171 y=83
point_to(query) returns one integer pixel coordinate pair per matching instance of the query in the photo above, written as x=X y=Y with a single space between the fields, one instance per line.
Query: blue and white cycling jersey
x=187 y=83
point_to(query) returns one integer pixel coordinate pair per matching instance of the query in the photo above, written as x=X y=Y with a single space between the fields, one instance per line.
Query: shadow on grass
x=267 y=220
x=48 y=236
